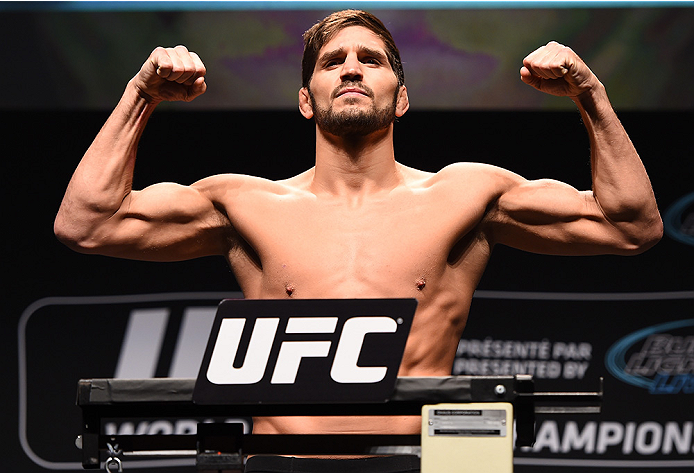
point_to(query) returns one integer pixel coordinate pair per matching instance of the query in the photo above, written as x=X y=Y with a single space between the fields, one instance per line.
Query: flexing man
x=359 y=224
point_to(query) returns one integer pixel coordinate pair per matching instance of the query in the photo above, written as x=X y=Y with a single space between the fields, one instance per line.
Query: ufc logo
x=291 y=352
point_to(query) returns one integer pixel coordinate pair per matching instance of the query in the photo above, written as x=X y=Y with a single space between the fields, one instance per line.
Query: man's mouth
x=345 y=90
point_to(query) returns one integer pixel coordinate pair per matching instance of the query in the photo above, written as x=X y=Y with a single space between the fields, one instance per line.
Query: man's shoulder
x=473 y=169
x=230 y=184
x=467 y=173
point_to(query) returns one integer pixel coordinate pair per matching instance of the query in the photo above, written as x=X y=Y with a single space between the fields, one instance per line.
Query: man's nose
x=351 y=69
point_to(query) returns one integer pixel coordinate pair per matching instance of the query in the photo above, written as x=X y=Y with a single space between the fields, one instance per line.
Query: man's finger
x=199 y=69
x=191 y=66
x=172 y=74
x=529 y=78
x=161 y=62
x=197 y=88
x=184 y=67
x=549 y=61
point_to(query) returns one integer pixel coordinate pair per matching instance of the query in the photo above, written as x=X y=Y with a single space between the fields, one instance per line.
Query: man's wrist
x=594 y=102
x=140 y=94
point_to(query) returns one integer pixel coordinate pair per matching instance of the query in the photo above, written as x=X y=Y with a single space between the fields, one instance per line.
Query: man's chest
x=313 y=248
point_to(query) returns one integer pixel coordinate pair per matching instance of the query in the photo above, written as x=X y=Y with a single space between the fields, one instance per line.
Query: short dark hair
x=324 y=30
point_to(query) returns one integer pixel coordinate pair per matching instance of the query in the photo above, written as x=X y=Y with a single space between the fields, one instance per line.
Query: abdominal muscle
x=426 y=354
x=384 y=425
x=337 y=425
x=328 y=425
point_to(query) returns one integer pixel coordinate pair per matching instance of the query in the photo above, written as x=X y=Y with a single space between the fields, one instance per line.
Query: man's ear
x=305 y=106
x=402 y=104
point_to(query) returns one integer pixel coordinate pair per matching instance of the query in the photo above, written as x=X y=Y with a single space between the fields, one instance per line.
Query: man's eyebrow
x=362 y=49
x=330 y=54
x=374 y=52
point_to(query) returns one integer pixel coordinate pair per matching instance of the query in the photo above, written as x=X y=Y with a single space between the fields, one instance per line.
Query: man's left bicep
x=551 y=217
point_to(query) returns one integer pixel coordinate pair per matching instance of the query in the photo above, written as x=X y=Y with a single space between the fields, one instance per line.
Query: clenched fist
x=171 y=74
x=557 y=70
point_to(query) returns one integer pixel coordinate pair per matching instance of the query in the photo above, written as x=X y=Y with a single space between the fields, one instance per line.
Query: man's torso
x=422 y=239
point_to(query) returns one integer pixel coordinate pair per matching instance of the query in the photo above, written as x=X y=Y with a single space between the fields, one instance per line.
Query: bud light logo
x=659 y=358
x=678 y=221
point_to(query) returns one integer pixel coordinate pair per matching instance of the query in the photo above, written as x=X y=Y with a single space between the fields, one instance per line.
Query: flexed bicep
x=551 y=217
x=163 y=222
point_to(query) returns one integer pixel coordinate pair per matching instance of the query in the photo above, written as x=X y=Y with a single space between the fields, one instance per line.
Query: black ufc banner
x=304 y=351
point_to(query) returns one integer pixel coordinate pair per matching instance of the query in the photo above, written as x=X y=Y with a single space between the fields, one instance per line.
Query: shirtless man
x=359 y=224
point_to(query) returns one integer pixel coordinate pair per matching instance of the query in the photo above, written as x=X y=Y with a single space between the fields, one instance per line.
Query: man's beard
x=353 y=122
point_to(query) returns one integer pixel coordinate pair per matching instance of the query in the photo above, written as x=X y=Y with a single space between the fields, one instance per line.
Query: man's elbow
x=72 y=235
x=644 y=237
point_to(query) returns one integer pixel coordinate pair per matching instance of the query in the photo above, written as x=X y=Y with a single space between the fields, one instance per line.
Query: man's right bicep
x=163 y=222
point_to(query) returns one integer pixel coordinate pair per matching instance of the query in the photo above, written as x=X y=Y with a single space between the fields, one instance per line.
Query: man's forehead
x=354 y=36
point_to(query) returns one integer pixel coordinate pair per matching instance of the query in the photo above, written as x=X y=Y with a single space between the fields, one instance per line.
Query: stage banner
x=65 y=339
x=642 y=344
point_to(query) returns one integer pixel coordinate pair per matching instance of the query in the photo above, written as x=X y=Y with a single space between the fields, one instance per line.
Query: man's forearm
x=621 y=185
x=104 y=176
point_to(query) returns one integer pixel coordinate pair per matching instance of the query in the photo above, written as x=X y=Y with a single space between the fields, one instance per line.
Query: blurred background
x=457 y=55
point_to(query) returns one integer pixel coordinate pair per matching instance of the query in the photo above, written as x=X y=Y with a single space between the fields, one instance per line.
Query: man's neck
x=355 y=166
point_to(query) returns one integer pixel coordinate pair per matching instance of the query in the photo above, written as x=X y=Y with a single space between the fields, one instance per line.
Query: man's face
x=354 y=90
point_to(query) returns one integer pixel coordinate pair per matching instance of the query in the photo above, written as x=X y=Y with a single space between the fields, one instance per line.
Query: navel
x=420 y=283
x=289 y=289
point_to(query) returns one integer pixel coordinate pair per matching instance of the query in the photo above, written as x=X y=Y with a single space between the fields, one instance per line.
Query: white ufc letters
x=344 y=367
x=221 y=369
